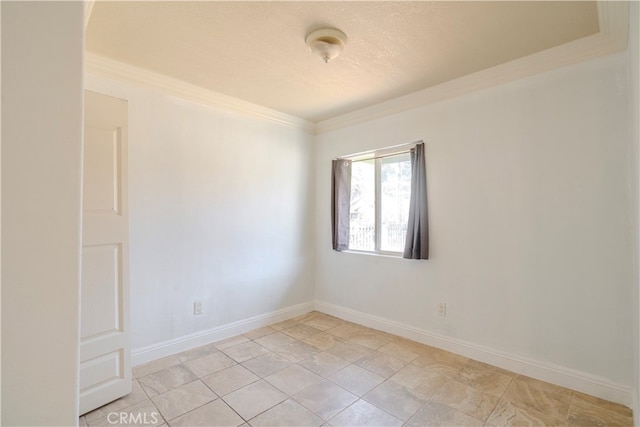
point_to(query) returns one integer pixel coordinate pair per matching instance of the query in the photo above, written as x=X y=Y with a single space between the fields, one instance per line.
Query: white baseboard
x=562 y=376
x=559 y=375
x=187 y=342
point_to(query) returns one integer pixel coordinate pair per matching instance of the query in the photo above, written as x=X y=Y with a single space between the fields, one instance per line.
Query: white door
x=105 y=359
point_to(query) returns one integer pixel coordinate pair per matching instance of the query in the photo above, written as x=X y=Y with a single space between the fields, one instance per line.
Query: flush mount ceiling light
x=327 y=43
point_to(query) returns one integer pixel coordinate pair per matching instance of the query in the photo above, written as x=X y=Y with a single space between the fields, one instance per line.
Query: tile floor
x=319 y=370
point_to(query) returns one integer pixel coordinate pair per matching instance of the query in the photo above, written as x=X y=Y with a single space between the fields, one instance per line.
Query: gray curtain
x=417 y=242
x=340 y=203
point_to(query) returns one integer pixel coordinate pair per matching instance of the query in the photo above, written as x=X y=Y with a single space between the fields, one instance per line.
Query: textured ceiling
x=255 y=51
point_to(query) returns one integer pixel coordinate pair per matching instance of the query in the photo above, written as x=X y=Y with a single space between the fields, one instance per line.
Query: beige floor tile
x=604 y=404
x=254 y=399
x=196 y=353
x=183 y=399
x=207 y=365
x=213 y=414
x=325 y=322
x=148 y=413
x=308 y=316
x=301 y=331
x=466 y=399
x=349 y=351
x=347 y=330
x=82 y=422
x=298 y=351
x=230 y=379
x=414 y=346
x=141 y=414
x=357 y=380
x=323 y=364
x=156 y=365
x=325 y=399
x=508 y=414
x=426 y=385
x=245 y=351
x=260 y=332
x=481 y=365
x=424 y=382
x=371 y=339
x=287 y=414
x=586 y=411
x=443 y=362
x=364 y=414
x=166 y=379
x=540 y=396
x=293 y=379
x=397 y=400
x=275 y=341
x=231 y=342
x=381 y=364
x=285 y=324
x=438 y=415
x=536 y=384
x=399 y=350
x=137 y=395
x=485 y=378
x=323 y=341
x=267 y=364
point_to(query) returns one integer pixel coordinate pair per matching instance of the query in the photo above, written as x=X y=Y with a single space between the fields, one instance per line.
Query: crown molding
x=613 y=17
x=107 y=67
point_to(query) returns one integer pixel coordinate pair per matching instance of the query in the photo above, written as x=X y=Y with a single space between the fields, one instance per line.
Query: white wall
x=42 y=48
x=221 y=210
x=530 y=216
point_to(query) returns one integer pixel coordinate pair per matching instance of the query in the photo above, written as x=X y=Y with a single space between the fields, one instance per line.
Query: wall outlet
x=197 y=308
x=442 y=309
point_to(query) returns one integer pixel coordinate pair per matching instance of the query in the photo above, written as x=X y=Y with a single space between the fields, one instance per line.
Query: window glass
x=380 y=194
x=395 y=193
x=363 y=206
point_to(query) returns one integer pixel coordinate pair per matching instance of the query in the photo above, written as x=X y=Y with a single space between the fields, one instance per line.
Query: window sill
x=396 y=255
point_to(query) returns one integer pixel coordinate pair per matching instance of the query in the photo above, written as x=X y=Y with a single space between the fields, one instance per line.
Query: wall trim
x=555 y=374
x=613 y=17
x=559 y=375
x=197 y=339
x=107 y=67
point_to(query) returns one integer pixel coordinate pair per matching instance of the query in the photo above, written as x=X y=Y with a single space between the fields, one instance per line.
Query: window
x=379 y=208
x=379 y=203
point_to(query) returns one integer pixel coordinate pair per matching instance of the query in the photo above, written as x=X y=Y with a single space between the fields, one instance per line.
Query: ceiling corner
x=110 y=68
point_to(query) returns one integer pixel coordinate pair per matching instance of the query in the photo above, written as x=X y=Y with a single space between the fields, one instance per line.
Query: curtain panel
x=340 y=203
x=417 y=241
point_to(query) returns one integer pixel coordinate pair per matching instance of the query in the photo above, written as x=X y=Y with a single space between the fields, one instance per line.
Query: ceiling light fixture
x=327 y=43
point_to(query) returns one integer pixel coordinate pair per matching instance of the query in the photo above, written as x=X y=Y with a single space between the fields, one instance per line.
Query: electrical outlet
x=197 y=308
x=442 y=309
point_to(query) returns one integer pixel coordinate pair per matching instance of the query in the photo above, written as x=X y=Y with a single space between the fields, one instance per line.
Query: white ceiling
x=255 y=51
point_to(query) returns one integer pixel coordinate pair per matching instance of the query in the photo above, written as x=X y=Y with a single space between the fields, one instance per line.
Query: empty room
x=325 y=213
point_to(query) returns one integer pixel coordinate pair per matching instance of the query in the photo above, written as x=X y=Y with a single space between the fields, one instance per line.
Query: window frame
x=377 y=156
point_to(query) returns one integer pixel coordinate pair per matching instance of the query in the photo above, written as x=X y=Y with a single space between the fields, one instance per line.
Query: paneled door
x=105 y=351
